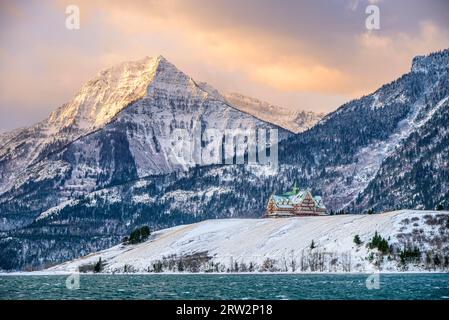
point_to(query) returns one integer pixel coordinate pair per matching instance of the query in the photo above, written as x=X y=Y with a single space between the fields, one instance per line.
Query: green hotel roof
x=296 y=196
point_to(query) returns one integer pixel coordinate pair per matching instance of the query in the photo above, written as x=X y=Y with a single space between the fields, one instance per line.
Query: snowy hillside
x=417 y=241
x=292 y=120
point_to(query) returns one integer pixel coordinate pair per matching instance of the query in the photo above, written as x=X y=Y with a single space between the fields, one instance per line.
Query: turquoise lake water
x=227 y=286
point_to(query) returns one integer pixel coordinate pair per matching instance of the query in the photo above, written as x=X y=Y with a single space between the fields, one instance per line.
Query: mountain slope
x=295 y=121
x=119 y=128
x=97 y=103
x=283 y=245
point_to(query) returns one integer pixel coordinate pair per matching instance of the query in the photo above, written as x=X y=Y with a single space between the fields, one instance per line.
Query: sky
x=306 y=55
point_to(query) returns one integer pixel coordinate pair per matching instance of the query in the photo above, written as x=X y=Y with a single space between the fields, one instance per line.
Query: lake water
x=227 y=286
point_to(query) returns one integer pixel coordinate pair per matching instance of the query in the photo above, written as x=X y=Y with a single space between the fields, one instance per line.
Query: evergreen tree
x=380 y=243
x=144 y=233
x=139 y=235
x=180 y=266
x=357 y=240
x=312 y=245
x=408 y=254
x=134 y=237
x=383 y=246
x=98 y=266
x=437 y=260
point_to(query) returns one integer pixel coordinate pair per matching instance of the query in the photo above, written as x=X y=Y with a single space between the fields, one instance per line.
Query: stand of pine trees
x=138 y=235
x=380 y=243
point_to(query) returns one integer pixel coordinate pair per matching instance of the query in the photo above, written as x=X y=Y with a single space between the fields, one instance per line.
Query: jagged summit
x=112 y=89
x=293 y=120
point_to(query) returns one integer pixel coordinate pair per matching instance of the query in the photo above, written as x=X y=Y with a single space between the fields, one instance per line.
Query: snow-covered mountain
x=417 y=241
x=118 y=128
x=292 y=120
x=97 y=103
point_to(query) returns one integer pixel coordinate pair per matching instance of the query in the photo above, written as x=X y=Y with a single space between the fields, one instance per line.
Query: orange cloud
x=255 y=53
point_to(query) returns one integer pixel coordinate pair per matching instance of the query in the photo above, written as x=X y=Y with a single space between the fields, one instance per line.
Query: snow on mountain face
x=295 y=121
x=416 y=174
x=118 y=128
x=147 y=127
x=284 y=245
x=350 y=145
x=101 y=98
x=412 y=167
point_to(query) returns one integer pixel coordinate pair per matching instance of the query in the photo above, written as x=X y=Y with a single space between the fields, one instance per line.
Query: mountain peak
x=291 y=119
x=113 y=89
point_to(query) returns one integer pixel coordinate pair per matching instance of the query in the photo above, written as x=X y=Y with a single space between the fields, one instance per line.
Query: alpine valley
x=100 y=165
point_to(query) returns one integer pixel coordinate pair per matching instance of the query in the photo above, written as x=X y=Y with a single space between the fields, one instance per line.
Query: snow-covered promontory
x=417 y=241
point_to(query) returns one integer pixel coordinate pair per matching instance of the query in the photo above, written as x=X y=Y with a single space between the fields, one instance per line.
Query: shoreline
x=66 y=273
